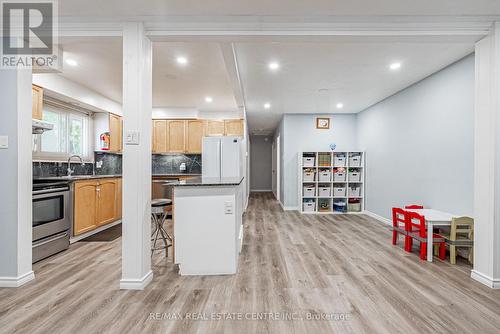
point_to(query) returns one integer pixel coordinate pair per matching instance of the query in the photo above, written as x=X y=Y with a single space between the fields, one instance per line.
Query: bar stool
x=159 y=211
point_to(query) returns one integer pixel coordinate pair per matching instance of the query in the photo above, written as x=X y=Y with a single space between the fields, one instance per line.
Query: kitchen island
x=207 y=218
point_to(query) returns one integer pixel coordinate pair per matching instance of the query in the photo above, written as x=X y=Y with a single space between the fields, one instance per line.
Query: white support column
x=487 y=161
x=137 y=112
x=15 y=178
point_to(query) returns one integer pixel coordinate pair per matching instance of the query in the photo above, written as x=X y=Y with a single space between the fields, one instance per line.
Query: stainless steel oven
x=51 y=218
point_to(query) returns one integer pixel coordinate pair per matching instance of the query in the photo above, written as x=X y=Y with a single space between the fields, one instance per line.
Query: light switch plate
x=4 y=142
x=132 y=138
x=228 y=208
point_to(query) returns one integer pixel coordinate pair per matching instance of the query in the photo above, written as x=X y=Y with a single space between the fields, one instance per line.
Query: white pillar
x=137 y=111
x=487 y=161
x=15 y=178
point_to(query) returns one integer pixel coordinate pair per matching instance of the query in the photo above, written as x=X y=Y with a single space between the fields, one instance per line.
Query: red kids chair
x=417 y=223
x=414 y=207
x=399 y=226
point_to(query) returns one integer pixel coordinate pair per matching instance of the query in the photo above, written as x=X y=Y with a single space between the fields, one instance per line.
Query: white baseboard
x=288 y=208
x=490 y=282
x=377 y=217
x=261 y=190
x=15 y=282
x=136 y=284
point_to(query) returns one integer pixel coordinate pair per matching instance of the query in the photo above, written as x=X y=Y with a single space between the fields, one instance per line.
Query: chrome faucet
x=71 y=171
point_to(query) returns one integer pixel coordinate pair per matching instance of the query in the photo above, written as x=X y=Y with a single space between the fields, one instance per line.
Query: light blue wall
x=419 y=144
x=299 y=134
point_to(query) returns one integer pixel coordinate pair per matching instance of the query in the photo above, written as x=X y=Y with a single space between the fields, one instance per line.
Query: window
x=70 y=135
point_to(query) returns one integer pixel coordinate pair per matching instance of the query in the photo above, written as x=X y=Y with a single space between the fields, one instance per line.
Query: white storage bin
x=308 y=176
x=354 y=207
x=339 y=191
x=323 y=191
x=339 y=177
x=309 y=191
x=308 y=161
x=339 y=160
x=354 y=176
x=355 y=160
x=324 y=176
x=309 y=206
x=354 y=191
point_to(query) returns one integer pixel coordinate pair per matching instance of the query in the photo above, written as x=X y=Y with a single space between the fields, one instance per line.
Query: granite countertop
x=75 y=177
x=206 y=182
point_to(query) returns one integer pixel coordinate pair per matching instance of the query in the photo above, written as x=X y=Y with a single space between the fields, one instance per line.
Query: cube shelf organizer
x=332 y=182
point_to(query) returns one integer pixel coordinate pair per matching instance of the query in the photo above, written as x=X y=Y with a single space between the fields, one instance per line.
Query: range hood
x=39 y=127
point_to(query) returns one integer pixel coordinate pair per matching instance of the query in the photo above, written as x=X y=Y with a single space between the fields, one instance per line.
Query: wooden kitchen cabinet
x=37 y=103
x=233 y=127
x=195 y=132
x=176 y=134
x=115 y=133
x=215 y=128
x=84 y=207
x=160 y=144
x=107 y=201
x=96 y=203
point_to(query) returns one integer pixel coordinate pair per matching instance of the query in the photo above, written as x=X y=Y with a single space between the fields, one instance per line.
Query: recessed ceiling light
x=340 y=105
x=71 y=62
x=274 y=66
x=182 y=60
x=267 y=105
x=395 y=66
x=208 y=99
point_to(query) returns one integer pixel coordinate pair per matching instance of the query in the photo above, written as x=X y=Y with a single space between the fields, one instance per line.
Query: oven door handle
x=50 y=191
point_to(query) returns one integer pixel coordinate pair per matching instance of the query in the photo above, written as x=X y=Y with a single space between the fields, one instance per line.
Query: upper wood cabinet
x=233 y=127
x=96 y=203
x=176 y=134
x=195 y=133
x=186 y=136
x=160 y=135
x=37 y=102
x=115 y=133
x=215 y=128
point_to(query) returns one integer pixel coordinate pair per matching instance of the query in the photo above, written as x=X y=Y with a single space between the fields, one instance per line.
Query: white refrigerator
x=222 y=157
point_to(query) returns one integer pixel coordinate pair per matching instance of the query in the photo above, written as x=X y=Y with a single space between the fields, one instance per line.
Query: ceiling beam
x=231 y=63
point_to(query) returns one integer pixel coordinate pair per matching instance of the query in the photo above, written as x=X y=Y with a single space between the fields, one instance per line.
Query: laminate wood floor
x=297 y=274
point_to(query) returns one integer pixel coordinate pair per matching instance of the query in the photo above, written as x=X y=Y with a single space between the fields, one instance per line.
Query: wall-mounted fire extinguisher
x=104 y=139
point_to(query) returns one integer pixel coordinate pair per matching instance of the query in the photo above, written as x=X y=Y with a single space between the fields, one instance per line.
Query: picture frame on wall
x=322 y=123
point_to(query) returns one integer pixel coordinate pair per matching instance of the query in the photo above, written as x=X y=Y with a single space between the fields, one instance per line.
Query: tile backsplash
x=50 y=169
x=108 y=163
x=171 y=163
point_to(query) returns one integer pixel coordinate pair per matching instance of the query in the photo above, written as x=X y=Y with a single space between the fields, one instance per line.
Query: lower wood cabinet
x=96 y=203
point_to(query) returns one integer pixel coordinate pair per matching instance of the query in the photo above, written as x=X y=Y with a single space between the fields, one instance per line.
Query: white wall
x=419 y=144
x=299 y=134
x=261 y=163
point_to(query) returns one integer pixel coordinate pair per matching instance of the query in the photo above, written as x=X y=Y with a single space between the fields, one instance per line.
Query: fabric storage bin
x=309 y=191
x=354 y=176
x=339 y=206
x=324 y=205
x=309 y=206
x=354 y=207
x=339 y=177
x=323 y=191
x=339 y=191
x=308 y=176
x=339 y=160
x=354 y=191
x=308 y=161
x=324 y=175
x=355 y=160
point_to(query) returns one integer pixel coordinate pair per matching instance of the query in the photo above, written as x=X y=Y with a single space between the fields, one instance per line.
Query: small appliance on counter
x=51 y=218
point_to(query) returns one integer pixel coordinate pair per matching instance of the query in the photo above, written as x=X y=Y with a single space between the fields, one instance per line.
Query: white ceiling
x=131 y=8
x=314 y=77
